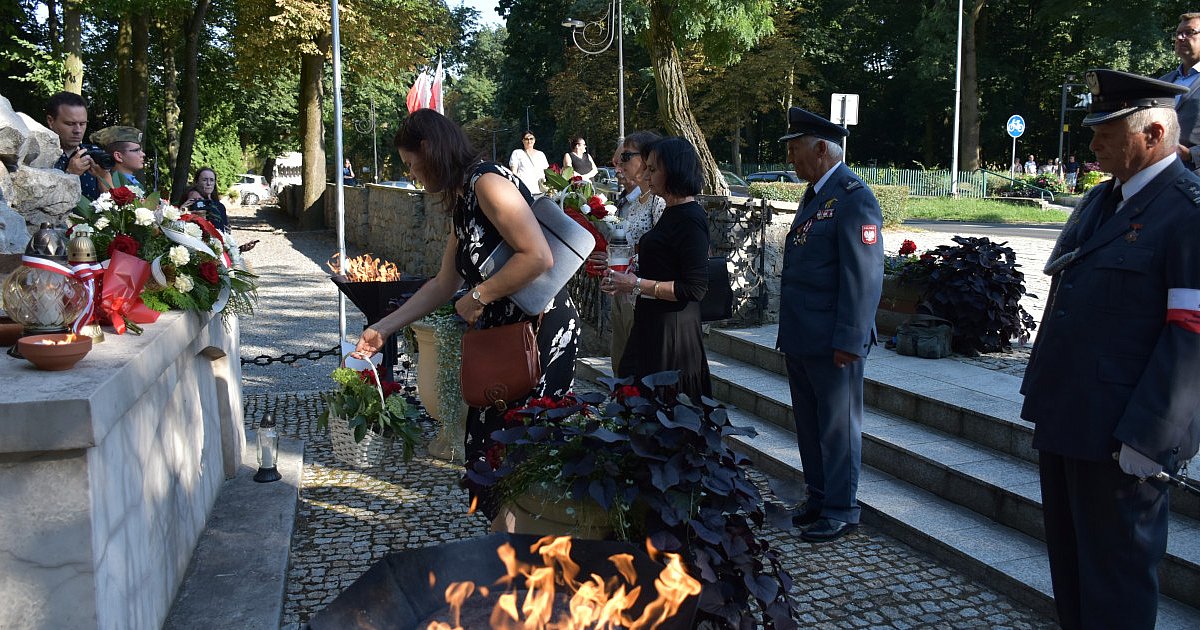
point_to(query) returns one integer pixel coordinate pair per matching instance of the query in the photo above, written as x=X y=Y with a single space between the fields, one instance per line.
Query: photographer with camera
x=124 y=145
x=66 y=116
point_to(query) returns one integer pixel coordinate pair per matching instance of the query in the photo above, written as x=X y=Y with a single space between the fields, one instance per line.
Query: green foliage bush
x=892 y=199
x=1088 y=180
x=893 y=202
x=778 y=191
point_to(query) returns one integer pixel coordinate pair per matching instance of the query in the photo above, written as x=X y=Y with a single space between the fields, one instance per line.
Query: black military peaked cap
x=1117 y=94
x=805 y=123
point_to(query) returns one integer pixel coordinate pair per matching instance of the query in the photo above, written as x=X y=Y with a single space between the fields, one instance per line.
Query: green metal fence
x=929 y=183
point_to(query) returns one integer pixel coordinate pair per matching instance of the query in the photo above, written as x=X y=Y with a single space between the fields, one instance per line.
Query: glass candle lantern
x=268 y=450
x=40 y=299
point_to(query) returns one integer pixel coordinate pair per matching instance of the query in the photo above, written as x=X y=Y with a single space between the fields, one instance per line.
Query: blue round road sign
x=1016 y=125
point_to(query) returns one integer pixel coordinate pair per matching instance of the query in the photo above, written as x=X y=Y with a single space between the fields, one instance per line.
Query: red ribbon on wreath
x=120 y=299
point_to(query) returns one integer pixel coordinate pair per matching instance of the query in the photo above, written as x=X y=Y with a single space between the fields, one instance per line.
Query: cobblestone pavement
x=348 y=519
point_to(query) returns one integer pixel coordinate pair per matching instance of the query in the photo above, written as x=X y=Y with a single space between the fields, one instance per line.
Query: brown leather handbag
x=500 y=365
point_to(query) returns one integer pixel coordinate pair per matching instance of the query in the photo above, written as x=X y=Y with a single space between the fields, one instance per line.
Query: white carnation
x=183 y=283
x=192 y=230
x=171 y=213
x=101 y=223
x=179 y=255
x=103 y=203
x=143 y=216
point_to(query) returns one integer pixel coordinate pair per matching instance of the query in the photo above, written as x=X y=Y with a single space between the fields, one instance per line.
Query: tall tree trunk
x=673 y=104
x=191 y=101
x=312 y=169
x=140 y=67
x=73 y=46
x=52 y=26
x=124 y=55
x=968 y=144
x=170 y=95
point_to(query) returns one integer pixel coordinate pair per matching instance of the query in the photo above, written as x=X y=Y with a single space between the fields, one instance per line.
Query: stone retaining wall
x=409 y=228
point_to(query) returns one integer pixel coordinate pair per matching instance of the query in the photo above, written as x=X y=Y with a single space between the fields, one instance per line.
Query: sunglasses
x=628 y=155
x=527 y=138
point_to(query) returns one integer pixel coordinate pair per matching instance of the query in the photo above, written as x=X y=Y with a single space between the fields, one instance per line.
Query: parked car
x=400 y=183
x=252 y=189
x=774 y=176
x=605 y=181
x=737 y=185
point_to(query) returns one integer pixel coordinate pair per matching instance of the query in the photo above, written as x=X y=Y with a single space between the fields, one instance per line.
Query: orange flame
x=594 y=603
x=69 y=339
x=365 y=268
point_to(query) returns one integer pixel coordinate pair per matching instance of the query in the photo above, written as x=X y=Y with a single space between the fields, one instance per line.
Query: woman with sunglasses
x=580 y=160
x=672 y=275
x=639 y=213
x=529 y=164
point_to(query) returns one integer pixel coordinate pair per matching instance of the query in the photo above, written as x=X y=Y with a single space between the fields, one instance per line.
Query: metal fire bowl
x=395 y=593
x=372 y=297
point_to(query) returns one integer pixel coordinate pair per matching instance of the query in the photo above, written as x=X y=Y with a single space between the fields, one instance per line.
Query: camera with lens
x=101 y=157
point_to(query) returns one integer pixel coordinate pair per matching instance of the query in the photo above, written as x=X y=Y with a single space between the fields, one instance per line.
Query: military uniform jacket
x=832 y=270
x=1108 y=366
x=1188 y=111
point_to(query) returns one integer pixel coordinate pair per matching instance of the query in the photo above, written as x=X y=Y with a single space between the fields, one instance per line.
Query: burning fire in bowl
x=513 y=581
x=54 y=352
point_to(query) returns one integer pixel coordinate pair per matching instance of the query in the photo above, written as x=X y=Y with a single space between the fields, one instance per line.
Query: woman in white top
x=529 y=164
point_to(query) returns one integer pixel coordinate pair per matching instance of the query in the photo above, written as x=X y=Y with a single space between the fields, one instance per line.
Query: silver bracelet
x=637 y=287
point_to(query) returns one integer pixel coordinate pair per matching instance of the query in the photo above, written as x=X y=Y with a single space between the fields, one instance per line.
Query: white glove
x=1136 y=464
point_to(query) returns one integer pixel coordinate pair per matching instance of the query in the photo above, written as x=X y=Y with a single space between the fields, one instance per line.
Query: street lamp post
x=593 y=38
x=363 y=126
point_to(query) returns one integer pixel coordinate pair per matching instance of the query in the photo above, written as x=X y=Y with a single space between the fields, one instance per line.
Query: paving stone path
x=348 y=519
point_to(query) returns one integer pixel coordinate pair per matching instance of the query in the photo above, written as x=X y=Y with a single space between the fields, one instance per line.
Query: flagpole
x=339 y=184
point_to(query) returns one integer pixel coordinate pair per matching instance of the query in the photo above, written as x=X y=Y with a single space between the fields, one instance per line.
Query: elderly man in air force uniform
x=1113 y=383
x=830 y=285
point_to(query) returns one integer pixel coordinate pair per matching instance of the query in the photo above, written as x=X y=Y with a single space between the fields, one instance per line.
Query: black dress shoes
x=804 y=515
x=827 y=529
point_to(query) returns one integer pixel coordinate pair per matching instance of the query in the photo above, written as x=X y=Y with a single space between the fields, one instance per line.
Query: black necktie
x=1108 y=206
x=809 y=193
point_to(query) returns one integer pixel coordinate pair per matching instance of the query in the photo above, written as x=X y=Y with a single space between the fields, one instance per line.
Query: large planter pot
x=368 y=453
x=450 y=442
x=897 y=303
x=548 y=512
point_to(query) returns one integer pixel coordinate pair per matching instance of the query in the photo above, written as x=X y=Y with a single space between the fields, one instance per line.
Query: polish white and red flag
x=420 y=92
x=1183 y=308
x=437 y=100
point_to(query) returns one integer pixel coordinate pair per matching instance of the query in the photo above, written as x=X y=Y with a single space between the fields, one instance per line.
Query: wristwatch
x=478 y=297
x=637 y=287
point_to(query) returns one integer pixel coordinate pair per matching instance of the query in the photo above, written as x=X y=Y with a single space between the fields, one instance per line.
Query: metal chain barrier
x=289 y=358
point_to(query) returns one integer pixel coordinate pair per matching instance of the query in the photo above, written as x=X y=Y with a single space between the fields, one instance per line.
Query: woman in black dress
x=673 y=270
x=489 y=205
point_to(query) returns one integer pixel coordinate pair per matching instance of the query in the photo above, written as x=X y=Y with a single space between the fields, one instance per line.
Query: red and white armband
x=1183 y=308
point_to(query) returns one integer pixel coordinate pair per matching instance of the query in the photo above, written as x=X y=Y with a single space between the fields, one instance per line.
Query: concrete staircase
x=947 y=464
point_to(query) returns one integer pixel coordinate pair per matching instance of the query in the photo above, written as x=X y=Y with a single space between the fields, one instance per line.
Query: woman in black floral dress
x=490 y=205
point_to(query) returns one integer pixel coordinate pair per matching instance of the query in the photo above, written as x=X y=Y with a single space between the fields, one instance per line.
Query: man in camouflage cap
x=125 y=145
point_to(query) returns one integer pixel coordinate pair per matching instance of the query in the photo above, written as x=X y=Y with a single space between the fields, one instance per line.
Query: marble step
x=968 y=401
x=983 y=543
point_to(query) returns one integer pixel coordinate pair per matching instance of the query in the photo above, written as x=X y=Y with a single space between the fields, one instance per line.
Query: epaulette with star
x=853 y=184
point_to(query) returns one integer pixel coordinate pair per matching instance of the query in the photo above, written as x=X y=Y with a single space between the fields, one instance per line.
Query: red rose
x=577 y=178
x=122 y=196
x=599 y=213
x=907 y=247
x=208 y=271
x=125 y=244
x=628 y=391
